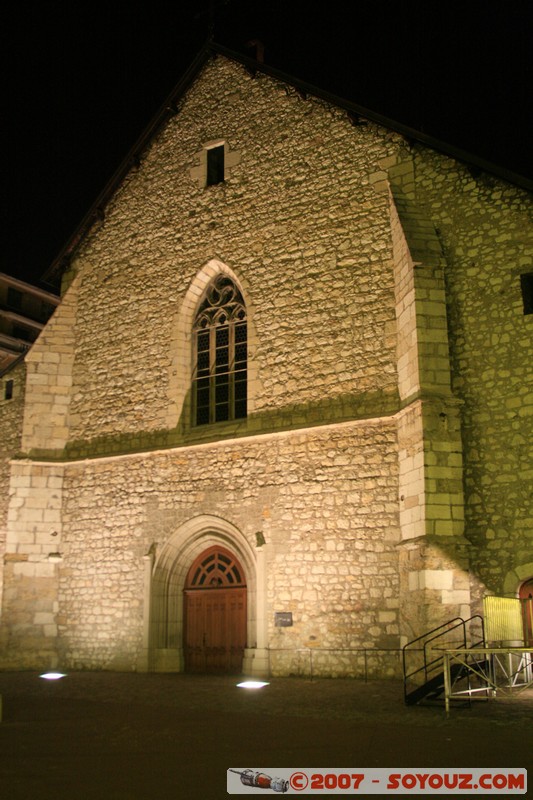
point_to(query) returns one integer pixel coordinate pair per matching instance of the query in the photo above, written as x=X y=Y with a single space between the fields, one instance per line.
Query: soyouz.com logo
x=505 y=781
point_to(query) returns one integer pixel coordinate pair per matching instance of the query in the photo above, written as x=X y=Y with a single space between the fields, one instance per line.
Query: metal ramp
x=504 y=664
x=503 y=670
x=476 y=658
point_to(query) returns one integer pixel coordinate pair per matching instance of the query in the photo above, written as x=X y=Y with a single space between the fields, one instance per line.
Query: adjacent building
x=24 y=311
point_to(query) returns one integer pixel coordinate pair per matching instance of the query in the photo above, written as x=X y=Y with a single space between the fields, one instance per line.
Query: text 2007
x=332 y=781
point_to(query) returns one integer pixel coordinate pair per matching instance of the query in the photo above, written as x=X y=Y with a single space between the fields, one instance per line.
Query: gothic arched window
x=220 y=354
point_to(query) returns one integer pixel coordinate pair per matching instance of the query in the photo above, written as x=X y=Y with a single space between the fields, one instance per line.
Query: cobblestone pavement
x=128 y=736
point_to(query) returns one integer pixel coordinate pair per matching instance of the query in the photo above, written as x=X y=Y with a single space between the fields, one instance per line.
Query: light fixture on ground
x=252 y=684
x=52 y=676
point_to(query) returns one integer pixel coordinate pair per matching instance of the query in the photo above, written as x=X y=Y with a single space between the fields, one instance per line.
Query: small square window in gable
x=526 y=284
x=216 y=162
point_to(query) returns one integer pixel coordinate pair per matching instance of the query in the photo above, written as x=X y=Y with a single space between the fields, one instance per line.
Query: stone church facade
x=284 y=410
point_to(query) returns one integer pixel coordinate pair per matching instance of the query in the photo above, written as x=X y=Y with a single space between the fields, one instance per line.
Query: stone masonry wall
x=372 y=334
x=432 y=557
x=49 y=381
x=299 y=224
x=324 y=500
x=486 y=233
x=33 y=555
x=11 y=414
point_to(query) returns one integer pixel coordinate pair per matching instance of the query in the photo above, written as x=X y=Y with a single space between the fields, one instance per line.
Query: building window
x=220 y=355
x=215 y=165
x=19 y=332
x=8 y=390
x=14 y=298
x=526 y=284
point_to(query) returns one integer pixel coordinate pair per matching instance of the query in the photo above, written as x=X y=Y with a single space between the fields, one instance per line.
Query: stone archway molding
x=180 y=368
x=168 y=573
x=515 y=577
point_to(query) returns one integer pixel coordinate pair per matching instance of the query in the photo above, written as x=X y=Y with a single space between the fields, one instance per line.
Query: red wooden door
x=526 y=599
x=215 y=614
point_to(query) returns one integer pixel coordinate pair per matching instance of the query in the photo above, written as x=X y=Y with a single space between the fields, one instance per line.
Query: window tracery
x=220 y=357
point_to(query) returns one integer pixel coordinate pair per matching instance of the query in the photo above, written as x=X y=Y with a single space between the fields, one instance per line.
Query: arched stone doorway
x=215 y=613
x=167 y=576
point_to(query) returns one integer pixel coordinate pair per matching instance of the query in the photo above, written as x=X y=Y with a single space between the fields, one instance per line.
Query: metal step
x=432 y=688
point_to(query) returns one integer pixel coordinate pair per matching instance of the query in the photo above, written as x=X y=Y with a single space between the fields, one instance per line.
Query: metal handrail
x=444 y=627
x=440 y=631
x=310 y=650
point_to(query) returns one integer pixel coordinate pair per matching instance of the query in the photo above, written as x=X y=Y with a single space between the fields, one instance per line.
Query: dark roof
x=169 y=108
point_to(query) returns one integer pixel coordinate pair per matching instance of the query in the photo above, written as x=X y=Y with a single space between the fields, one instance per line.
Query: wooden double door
x=215 y=614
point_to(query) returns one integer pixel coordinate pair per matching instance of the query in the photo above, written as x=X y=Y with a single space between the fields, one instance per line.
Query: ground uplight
x=252 y=684
x=52 y=676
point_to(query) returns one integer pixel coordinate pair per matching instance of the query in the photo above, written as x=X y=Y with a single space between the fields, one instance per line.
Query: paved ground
x=117 y=736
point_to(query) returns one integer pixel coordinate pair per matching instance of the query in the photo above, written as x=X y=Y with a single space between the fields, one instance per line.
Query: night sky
x=80 y=82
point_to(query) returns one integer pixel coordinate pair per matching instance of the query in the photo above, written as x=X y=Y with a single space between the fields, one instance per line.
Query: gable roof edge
x=95 y=212
x=168 y=108
x=379 y=119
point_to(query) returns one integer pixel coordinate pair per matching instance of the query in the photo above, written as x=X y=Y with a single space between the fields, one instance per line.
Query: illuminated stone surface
x=381 y=483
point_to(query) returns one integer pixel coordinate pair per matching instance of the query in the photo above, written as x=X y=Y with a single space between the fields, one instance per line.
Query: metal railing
x=363 y=669
x=429 y=658
x=487 y=670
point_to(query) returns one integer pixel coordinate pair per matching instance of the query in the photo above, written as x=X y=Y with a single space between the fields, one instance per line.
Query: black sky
x=81 y=81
